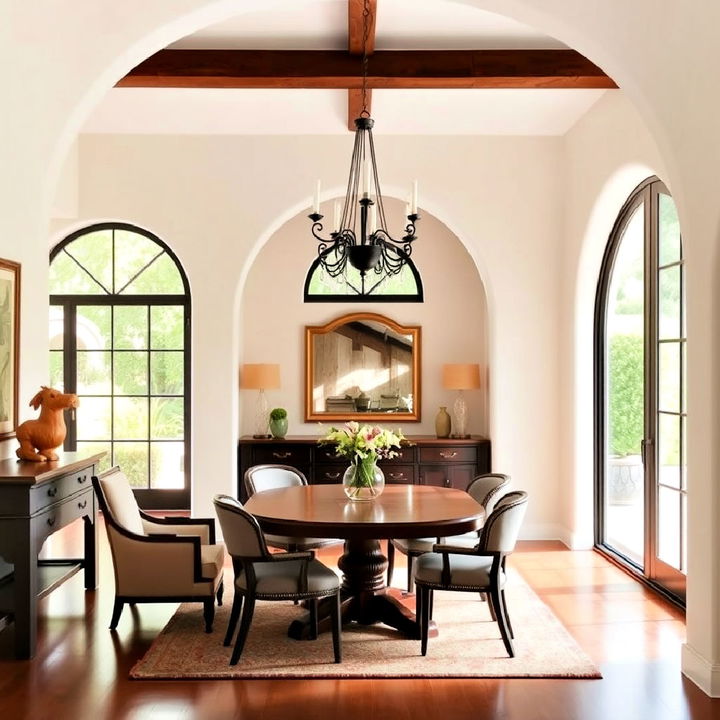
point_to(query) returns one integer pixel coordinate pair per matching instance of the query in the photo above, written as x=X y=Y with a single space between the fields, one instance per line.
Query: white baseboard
x=704 y=674
x=544 y=531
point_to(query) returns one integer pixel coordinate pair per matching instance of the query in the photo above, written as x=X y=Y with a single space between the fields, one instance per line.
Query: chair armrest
x=456 y=550
x=284 y=557
x=205 y=525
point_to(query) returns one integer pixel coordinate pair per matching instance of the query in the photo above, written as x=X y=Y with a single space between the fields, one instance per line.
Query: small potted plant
x=278 y=422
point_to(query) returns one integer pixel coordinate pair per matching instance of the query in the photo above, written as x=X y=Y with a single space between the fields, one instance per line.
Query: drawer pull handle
x=446 y=455
x=82 y=505
x=282 y=455
x=52 y=492
x=82 y=479
x=332 y=476
x=396 y=476
x=51 y=521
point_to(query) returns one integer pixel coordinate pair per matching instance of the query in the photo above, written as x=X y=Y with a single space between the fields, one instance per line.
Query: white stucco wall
x=63 y=58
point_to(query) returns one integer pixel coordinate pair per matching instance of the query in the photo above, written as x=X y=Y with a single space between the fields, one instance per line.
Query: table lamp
x=461 y=376
x=262 y=377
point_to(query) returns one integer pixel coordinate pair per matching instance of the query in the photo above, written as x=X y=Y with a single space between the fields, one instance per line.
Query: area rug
x=468 y=645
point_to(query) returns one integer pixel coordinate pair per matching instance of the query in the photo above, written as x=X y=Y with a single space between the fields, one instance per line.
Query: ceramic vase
x=442 y=423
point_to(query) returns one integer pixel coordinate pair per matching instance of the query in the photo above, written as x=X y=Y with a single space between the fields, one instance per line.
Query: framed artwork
x=9 y=346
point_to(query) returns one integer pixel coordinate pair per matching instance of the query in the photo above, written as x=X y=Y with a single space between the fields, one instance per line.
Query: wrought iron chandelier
x=360 y=233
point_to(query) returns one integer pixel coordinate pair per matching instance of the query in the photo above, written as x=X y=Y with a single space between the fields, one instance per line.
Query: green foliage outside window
x=625 y=393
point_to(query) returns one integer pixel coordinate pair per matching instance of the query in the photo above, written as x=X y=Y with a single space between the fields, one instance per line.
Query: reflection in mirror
x=362 y=366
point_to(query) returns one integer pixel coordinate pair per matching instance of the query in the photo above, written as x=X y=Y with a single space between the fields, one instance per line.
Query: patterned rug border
x=146 y=668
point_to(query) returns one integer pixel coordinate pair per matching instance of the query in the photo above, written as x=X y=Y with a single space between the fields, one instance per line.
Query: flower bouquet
x=363 y=446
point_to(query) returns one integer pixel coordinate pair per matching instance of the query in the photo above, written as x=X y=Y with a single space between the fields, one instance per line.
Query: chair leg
x=391 y=562
x=209 y=613
x=507 y=614
x=424 y=617
x=313 y=619
x=234 y=615
x=410 y=573
x=500 y=613
x=336 y=628
x=491 y=607
x=220 y=593
x=117 y=611
x=431 y=600
x=244 y=627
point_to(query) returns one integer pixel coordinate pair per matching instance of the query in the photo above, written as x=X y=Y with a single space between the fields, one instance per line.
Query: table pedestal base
x=365 y=599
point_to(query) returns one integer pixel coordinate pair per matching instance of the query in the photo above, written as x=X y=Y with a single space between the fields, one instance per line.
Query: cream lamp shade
x=260 y=376
x=461 y=376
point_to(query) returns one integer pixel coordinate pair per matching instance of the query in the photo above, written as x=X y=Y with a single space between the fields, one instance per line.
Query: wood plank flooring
x=81 y=668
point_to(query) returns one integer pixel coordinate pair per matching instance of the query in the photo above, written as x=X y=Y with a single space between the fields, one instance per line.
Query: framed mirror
x=362 y=366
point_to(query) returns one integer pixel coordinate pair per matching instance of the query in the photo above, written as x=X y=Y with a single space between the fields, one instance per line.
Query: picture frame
x=9 y=346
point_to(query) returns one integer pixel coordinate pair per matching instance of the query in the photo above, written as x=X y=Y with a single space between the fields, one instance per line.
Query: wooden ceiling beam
x=386 y=69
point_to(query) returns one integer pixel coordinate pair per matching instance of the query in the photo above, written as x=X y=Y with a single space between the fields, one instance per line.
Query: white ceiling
x=322 y=24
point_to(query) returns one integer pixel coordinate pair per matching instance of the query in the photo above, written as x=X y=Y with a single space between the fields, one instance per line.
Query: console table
x=36 y=500
x=442 y=462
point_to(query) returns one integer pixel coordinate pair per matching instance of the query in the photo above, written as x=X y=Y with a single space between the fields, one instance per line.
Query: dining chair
x=485 y=489
x=173 y=559
x=261 y=478
x=262 y=575
x=477 y=569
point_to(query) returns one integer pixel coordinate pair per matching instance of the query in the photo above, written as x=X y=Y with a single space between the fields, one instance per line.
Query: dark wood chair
x=485 y=489
x=478 y=569
x=158 y=559
x=261 y=575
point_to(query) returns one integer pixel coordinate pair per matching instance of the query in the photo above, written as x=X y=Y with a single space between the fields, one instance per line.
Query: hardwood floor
x=81 y=668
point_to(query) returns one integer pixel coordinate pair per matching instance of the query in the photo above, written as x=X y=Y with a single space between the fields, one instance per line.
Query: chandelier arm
x=376 y=179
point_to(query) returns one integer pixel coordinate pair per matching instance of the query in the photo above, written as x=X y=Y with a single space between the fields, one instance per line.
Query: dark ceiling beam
x=361 y=40
x=386 y=69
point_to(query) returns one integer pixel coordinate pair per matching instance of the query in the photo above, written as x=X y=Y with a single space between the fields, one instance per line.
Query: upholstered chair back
x=269 y=477
x=242 y=534
x=121 y=502
x=501 y=529
x=485 y=489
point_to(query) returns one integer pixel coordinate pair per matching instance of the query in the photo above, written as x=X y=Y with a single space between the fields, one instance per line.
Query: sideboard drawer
x=279 y=454
x=328 y=474
x=448 y=454
x=398 y=474
x=49 y=493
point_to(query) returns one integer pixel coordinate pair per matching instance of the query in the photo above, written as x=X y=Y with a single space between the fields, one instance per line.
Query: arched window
x=120 y=339
x=406 y=286
x=641 y=419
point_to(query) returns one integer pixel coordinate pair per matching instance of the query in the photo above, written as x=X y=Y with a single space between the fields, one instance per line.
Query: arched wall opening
x=273 y=317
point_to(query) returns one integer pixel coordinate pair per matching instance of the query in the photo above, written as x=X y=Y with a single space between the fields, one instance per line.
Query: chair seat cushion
x=415 y=545
x=298 y=543
x=212 y=558
x=282 y=578
x=466 y=571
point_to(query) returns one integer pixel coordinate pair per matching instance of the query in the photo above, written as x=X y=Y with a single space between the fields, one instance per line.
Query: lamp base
x=262 y=437
x=453 y=436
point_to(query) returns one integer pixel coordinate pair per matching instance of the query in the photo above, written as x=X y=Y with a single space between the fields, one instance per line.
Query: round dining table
x=402 y=511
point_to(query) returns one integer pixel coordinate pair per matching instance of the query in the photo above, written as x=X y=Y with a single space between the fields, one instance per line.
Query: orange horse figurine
x=47 y=432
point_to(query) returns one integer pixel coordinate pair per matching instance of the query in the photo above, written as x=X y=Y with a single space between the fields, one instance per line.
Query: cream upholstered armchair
x=158 y=559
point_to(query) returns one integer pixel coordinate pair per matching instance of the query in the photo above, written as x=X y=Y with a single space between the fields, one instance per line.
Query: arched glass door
x=641 y=428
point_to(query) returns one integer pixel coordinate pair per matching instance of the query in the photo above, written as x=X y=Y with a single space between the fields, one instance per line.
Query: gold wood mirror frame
x=362 y=366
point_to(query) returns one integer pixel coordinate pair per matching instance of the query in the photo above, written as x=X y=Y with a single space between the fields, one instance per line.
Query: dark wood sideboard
x=36 y=500
x=429 y=460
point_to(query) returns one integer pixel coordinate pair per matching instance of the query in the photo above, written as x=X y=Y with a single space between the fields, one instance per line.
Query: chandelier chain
x=366 y=37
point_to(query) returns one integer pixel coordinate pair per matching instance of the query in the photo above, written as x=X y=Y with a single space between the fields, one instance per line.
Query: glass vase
x=363 y=480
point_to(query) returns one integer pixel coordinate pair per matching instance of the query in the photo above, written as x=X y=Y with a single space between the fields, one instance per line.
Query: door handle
x=645 y=443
